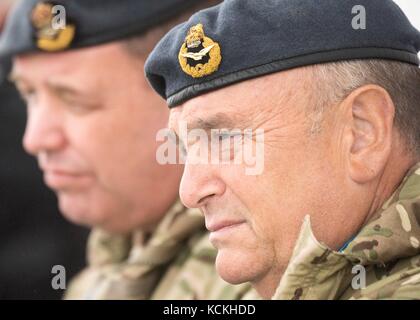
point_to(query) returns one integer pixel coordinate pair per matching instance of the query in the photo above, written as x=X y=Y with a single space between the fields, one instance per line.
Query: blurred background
x=33 y=235
x=412 y=9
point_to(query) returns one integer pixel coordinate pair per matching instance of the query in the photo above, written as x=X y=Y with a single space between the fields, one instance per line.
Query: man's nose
x=199 y=185
x=43 y=131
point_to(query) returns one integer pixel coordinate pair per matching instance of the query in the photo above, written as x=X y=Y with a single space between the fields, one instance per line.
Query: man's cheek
x=263 y=229
x=247 y=239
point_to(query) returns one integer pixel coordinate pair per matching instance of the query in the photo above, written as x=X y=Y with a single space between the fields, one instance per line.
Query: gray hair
x=402 y=81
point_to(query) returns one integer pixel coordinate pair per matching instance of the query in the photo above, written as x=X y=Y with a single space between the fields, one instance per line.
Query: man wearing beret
x=334 y=89
x=92 y=124
x=27 y=209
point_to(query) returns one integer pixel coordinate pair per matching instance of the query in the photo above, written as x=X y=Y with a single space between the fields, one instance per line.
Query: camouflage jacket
x=381 y=262
x=176 y=262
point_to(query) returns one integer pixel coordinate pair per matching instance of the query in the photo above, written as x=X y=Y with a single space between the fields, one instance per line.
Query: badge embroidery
x=47 y=37
x=199 y=55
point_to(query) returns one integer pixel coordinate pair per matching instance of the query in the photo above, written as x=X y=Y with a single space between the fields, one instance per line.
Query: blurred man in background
x=92 y=124
x=33 y=235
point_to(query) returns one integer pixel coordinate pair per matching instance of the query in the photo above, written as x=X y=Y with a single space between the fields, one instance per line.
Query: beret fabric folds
x=255 y=38
x=94 y=22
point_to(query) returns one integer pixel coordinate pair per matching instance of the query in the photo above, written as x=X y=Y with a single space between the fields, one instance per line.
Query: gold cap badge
x=49 y=38
x=199 y=55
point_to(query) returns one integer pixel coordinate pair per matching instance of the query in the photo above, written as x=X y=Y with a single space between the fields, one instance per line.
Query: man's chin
x=78 y=218
x=232 y=267
x=76 y=211
x=86 y=212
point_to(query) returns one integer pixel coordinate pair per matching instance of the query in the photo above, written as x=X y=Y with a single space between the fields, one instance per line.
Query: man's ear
x=370 y=113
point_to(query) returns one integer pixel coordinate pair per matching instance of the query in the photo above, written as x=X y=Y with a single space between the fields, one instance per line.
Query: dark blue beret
x=244 y=39
x=89 y=22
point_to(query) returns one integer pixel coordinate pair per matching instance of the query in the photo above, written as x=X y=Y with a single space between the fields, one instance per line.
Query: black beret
x=243 y=39
x=88 y=23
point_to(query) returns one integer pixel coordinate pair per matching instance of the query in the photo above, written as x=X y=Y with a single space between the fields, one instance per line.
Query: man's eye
x=79 y=107
x=222 y=136
x=27 y=94
x=183 y=150
x=179 y=144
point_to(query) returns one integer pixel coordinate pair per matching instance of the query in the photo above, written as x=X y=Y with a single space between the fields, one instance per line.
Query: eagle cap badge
x=199 y=56
x=49 y=38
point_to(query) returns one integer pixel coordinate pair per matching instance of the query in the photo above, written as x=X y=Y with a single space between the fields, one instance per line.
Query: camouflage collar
x=177 y=225
x=317 y=272
x=394 y=231
x=169 y=238
x=129 y=267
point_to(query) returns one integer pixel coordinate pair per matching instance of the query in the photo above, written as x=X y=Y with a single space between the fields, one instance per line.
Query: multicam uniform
x=388 y=248
x=176 y=262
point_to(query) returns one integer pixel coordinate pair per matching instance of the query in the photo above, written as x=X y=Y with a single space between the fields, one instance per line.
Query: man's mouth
x=222 y=231
x=59 y=179
x=223 y=225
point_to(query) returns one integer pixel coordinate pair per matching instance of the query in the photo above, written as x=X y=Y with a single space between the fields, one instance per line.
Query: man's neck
x=395 y=171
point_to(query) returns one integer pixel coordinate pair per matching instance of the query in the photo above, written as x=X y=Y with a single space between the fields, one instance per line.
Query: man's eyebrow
x=62 y=89
x=70 y=91
x=59 y=89
x=217 y=121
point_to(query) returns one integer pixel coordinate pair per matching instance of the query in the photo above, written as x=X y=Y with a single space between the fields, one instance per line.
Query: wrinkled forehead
x=240 y=104
x=212 y=110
